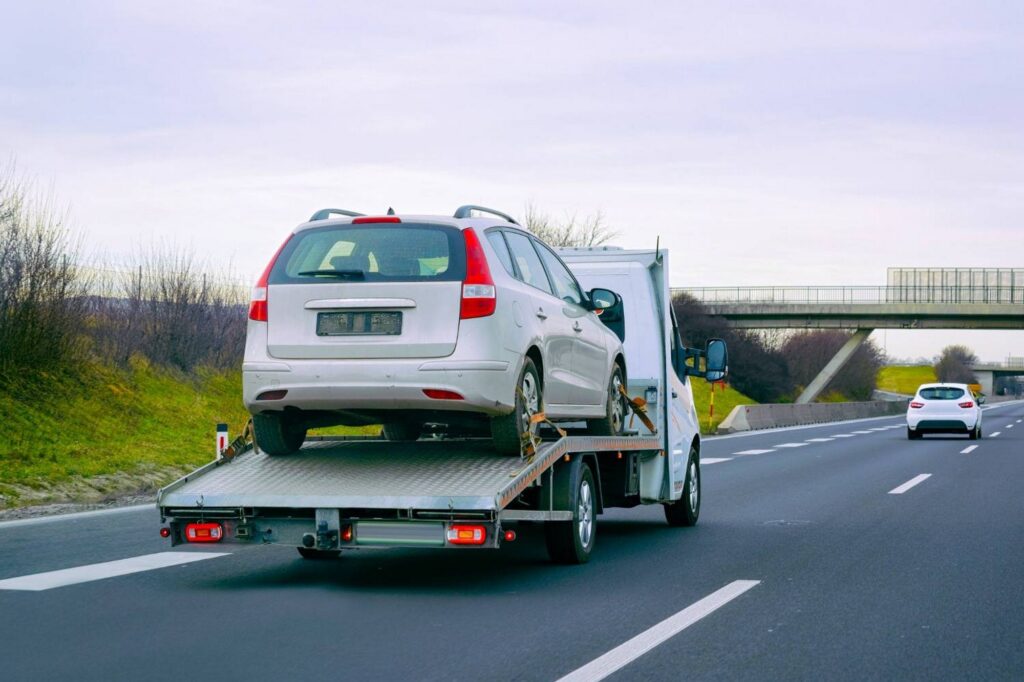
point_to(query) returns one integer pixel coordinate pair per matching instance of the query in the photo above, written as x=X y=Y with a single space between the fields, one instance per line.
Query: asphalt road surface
x=842 y=551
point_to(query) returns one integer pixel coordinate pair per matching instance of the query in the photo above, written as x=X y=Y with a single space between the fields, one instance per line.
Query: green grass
x=905 y=379
x=725 y=401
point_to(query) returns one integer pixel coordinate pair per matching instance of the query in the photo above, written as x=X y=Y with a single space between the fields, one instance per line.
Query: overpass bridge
x=988 y=372
x=997 y=304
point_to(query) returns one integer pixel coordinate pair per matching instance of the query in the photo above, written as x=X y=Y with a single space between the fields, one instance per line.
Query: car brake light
x=258 y=305
x=203 y=532
x=362 y=220
x=967 y=404
x=440 y=394
x=916 y=405
x=479 y=297
x=464 y=534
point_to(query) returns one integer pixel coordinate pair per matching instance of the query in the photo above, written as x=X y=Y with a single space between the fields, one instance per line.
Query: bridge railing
x=856 y=295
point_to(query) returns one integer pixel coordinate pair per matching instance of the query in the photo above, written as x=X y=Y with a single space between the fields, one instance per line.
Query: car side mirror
x=602 y=299
x=717 y=360
x=981 y=400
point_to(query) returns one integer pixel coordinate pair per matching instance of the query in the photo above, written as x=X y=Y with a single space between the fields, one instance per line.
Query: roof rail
x=465 y=211
x=325 y=213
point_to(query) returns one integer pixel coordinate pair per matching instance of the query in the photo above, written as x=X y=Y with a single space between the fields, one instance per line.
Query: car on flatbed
x=944 y=408
x=467 y=322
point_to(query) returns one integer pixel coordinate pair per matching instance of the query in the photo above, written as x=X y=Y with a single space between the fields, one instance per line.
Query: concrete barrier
x=768 y=416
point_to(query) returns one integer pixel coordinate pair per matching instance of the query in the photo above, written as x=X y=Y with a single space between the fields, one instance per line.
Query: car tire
x=318 y=554
x=572 y=542
x=402 y=432
x=509 y=430
x=614 y=420
x=685 y=511
x=276 y=434
x=913 y=435
x=974 y=433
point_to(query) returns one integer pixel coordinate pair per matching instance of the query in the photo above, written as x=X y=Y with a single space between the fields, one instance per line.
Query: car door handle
x=577 y=328
x=541 y=314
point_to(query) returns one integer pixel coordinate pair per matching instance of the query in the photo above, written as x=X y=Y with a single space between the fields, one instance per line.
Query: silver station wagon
x=468 y=324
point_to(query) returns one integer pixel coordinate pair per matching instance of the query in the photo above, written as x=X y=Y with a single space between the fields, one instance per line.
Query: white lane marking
x=842 y=435
x=884 y=428
x=819 y=440
x=824 y=425
x=861 y=432
x=1018 y=421
x=714 y=460
x=76 y=515
x=969 y=449
x=629 y=651
x=1009 y=426
x=994 y=434
x=791 y=445
x=752 y=452
x=108 y=569
x=909 y=484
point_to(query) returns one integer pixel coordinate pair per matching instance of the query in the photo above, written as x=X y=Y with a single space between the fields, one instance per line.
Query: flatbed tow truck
x=339 y=494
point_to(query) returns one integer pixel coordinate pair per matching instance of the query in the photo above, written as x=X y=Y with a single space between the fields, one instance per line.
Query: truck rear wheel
x=686 y=510
x=614 y=420
x=571 y=542
x=276 y=434
x=509 y=430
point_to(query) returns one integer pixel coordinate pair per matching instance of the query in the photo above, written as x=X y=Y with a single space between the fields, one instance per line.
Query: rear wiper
x=344 y=274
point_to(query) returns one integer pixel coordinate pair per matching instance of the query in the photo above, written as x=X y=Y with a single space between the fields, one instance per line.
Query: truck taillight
x=204 y=532
x=967 y=404
x=479 y=297
x=258 y=305
x=916 y=405
x=467 y=534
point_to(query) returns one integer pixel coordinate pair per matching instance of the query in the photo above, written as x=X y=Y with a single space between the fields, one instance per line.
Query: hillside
x=905 y=378
x=726 y=398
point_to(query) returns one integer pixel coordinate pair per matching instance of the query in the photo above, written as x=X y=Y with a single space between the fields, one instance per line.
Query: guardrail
x=857 y=295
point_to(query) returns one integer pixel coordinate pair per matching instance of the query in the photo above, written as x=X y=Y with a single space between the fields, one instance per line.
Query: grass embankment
x=905 y=378
x=726 y=398
x=111 y=432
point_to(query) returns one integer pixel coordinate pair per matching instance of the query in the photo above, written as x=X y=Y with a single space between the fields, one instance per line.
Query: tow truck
x=339 y=493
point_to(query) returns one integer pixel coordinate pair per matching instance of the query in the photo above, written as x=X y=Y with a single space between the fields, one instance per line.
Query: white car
x=944 y=408
x=468 y=322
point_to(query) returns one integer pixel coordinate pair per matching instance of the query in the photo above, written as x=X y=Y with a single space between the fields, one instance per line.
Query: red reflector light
x=362 y=220
x=346 y=534
x=916 y=405
x=967 y=404
x=272 y=395
x=165 y=532
x=510 y=536
x=479 y=297
x=463 y=534
x=204 y=532
x=439 y=394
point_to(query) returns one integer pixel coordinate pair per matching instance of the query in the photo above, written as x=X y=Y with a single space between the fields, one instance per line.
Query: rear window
x=372 y=253
x=941 y=393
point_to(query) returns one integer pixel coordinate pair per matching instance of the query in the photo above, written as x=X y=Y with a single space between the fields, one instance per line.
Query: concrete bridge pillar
x=826 y=375
x=987 y=379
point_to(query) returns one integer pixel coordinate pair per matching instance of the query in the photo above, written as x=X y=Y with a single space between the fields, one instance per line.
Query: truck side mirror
x=717 y=363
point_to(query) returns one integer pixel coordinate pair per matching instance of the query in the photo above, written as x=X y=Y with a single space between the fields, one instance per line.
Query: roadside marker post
x=222 y=439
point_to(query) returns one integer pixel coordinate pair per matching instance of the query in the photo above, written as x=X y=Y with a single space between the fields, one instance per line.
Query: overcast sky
x=809 y=143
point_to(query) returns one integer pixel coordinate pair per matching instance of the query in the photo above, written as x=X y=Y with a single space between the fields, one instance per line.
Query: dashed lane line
x=969 y=449
x=109 y=569
x=909 y=484
x=861 y=432
x=629 y=651
x=842 y=435
x=994 y=435
x=819 y=440
x=714 y=460
x=1009 y=426
x=791 y=445
x=752 y=452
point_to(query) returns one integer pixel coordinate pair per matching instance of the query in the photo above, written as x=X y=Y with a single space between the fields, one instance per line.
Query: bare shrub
x=42 y=301
x=589 y=230
x=166 y=308
x=954 y=365
x=807 y=353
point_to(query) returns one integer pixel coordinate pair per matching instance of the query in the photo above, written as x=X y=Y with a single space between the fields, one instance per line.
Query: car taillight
x=467 y=534
x=362 y=220
x=204 y=532
x=967 y=404
x=479 y=298
x=916 y=405
x=258 y=305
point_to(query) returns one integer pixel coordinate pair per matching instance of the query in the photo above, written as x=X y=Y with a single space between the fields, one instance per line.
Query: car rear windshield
x=384 y=252
x=942 y=393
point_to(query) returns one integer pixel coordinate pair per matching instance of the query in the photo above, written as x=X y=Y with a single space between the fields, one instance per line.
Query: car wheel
x=277 y=434
x=912 y=435
x=974 y=433
x=686 y=510
x=509 y=430
x=316 y=554
x=571 y=542
x=614 y=421
x=399 y=432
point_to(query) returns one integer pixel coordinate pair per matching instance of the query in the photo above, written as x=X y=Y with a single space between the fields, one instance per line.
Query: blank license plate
x=362 y=323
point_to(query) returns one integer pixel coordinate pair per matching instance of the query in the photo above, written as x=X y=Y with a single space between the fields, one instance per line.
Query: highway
x=839 y=551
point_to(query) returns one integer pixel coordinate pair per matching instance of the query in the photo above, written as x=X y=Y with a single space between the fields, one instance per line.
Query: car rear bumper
x=487 y=386
x=942 y=425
